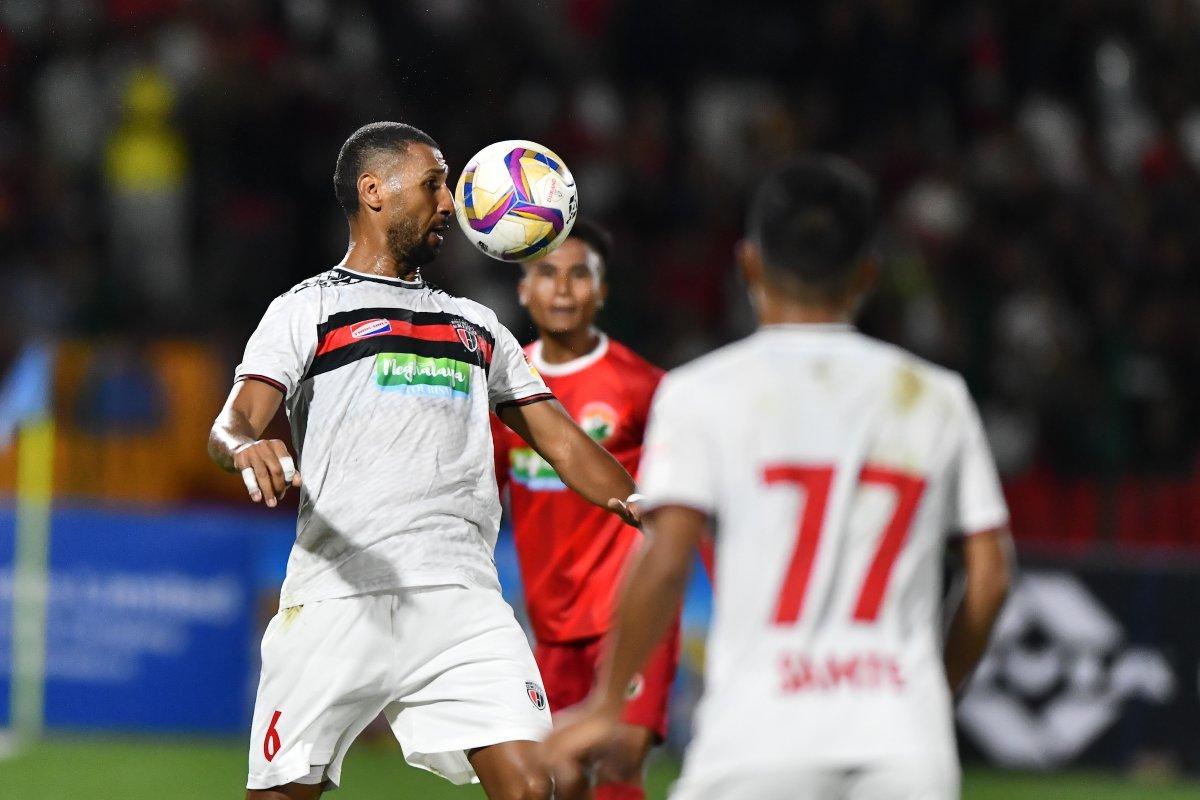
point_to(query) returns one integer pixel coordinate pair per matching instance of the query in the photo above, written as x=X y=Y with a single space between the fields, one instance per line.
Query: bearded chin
x=408 y=246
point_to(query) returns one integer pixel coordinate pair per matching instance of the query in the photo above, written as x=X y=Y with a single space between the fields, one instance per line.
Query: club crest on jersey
x=466 y=334
x=598 y=420
x=536 y=695
x=372 y=327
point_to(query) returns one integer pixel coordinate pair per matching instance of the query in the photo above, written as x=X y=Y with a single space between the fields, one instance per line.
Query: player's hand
x=267 y=470
x=627 y=509
x=579 y=739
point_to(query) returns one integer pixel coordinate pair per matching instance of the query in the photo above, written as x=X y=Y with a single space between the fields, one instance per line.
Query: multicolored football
x=516 y=200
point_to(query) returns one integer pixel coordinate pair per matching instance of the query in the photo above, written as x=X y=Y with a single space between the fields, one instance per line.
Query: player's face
x=417 y=202
x=564 y=290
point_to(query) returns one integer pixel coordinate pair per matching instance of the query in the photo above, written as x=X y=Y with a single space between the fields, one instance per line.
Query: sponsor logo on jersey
x=408 y=373
x=372 y=327
x=536 y=695
x=532 y=471
x=598 y=420
x=466 y=334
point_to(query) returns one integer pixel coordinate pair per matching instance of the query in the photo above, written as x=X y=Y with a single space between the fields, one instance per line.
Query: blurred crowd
x=165 y=169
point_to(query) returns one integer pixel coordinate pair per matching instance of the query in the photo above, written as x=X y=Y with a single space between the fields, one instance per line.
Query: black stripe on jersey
x=393 y=344
x=524 y=401
x=343 y=318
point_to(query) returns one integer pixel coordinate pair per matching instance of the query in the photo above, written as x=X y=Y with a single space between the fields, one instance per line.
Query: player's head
x=564 y=290
x=392 y=177
x=809 y=232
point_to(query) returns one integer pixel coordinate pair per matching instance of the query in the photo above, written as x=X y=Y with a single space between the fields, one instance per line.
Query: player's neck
x=776 y=308
x=559 y=348
x=370 y=255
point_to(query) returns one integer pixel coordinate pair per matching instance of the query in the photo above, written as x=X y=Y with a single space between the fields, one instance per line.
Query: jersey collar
x=572 y=366
x=419 y=283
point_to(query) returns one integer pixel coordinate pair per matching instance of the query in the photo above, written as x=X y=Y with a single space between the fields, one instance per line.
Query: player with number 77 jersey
x=836 y=469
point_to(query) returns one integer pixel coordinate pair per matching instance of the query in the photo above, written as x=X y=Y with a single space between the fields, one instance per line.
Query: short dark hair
x=362 y=144
x=813 y=220
x=595 y=237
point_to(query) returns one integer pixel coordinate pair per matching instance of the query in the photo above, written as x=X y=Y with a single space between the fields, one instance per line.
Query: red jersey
x=572 y=553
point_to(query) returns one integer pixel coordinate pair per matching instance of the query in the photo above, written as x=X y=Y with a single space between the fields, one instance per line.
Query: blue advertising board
x=150 y=617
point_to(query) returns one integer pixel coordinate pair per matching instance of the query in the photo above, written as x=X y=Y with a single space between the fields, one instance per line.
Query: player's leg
x=510 y=771
x=620 y=775
x=325 y=672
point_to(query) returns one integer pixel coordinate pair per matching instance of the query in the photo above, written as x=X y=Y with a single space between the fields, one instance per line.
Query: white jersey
x=835 y=466
x=388 y=386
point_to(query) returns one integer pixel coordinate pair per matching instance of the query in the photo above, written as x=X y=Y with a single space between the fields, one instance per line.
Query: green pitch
x=140 y=769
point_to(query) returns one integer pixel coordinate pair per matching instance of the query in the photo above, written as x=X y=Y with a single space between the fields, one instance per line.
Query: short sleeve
x=678 y=464
x=976 y=499
x=512 y=380
x=281 y=348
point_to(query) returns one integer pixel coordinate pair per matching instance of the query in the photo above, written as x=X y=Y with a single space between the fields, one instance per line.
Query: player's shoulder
x=706 y=374
x=322 y=280
x=907 y=375
x=630 y=362
x=473 y=310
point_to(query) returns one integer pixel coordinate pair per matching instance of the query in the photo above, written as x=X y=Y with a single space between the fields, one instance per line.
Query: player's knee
x=532 y=786
x=624 y=769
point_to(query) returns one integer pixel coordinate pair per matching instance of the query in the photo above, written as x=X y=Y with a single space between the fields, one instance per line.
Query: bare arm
x=234 y=445
x=583 y=465
x=987 y=562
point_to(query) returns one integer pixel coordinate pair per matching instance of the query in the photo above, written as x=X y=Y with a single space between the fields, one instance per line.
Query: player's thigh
x=324 y=677
x=916 y=779
x=568 y=670
x=650 y=690
x=477 y=690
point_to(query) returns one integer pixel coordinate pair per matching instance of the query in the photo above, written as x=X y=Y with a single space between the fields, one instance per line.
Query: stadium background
x=165 y=170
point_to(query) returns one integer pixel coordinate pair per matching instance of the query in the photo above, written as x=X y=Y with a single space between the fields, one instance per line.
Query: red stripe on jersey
x=342 y=337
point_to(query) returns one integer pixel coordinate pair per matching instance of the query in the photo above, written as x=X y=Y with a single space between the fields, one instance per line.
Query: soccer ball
x=516 y=200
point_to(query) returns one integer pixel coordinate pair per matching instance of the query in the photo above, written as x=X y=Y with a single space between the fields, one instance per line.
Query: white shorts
x=449 y=666
x=917 y=780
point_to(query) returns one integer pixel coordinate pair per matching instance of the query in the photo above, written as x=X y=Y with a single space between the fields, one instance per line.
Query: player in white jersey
x=834 y=469
x=391 y=601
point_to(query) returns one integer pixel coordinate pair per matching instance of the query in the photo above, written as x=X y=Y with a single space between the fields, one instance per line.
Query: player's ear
x=865 y=276
x=749 y=261
x=370 y=191
x=523 y=289
x=603 y=293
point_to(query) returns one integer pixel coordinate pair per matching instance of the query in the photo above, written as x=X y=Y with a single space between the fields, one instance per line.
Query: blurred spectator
x=165 y=165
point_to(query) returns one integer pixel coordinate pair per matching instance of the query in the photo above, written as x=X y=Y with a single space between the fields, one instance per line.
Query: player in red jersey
x=572 y=557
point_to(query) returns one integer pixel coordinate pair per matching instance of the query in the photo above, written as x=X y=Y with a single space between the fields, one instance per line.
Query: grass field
x=140 y=769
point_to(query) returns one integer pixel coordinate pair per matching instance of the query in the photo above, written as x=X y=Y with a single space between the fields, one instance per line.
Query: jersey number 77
x=817 y=481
